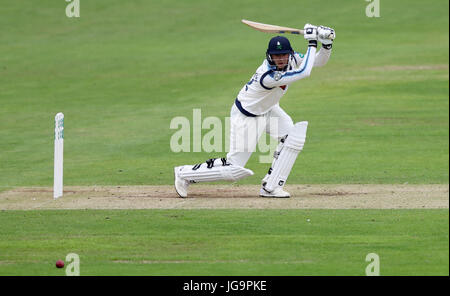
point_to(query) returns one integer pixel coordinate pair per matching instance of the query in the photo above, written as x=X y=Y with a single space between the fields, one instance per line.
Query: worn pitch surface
x=229 y=196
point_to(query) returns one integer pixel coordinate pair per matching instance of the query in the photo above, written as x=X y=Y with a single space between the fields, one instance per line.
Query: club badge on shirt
x=277 y=75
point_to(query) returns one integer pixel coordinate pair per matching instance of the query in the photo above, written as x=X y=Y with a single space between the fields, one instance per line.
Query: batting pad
x=213 y=170
x=283 y=165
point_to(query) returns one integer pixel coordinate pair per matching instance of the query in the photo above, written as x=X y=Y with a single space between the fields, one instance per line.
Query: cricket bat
x=272 y=28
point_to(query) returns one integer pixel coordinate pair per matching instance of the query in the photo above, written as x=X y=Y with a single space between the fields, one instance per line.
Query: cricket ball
x=60 y=264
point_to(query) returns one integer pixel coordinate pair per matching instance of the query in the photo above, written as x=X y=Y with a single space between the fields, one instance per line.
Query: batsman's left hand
x=326 y=35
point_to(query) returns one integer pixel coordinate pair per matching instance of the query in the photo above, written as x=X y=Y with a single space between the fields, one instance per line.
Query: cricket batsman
x=256 y=110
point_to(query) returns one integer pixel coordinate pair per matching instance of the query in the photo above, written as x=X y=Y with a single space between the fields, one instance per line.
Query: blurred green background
x=377 y=112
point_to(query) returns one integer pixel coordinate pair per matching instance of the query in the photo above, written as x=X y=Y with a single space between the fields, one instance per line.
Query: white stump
x=58 y=165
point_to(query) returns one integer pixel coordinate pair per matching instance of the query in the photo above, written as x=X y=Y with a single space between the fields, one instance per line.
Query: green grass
x=123 y=70
x=225 y=242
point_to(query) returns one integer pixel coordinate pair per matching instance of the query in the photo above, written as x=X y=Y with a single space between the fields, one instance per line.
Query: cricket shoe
x=278 y=193
x=181 y=185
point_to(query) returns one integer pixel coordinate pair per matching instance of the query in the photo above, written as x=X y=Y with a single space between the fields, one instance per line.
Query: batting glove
x=311 y=34
x=326 y=36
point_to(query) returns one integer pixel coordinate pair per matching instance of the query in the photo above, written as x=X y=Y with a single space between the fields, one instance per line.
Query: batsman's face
x=280 y=60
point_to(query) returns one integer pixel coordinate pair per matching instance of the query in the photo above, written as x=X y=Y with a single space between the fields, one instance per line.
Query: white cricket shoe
x=278 y=193
x=181 y=185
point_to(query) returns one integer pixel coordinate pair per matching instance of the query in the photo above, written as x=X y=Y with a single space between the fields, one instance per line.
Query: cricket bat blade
x=272 y=28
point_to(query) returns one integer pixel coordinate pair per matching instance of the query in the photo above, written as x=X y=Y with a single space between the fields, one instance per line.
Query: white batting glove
x=326 y=35
x=311 y=34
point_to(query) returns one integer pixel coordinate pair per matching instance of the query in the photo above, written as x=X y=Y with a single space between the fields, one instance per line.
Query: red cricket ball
x=60 y=264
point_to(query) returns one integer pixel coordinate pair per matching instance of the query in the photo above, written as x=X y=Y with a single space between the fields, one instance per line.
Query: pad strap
x=214 y=169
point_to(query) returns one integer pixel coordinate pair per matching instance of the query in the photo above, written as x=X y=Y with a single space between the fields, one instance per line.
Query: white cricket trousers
x=245 y=131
